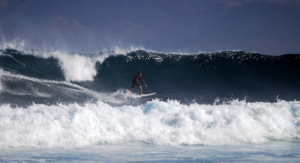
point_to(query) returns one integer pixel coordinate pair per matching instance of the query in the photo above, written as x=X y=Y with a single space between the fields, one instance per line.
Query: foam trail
x=156 y=122
x=61 y=86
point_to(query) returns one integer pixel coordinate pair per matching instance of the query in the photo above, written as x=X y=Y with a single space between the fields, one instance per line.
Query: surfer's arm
x=143 y=81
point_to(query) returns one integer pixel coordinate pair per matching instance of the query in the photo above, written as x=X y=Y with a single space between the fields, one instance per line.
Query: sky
x=268 y=27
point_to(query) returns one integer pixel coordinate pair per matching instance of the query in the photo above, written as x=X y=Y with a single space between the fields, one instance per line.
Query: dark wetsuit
x=135 y=80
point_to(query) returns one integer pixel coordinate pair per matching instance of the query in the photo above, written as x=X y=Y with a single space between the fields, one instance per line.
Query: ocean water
x=229 y=106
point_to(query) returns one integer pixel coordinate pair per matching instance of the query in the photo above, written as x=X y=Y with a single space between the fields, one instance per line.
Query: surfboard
x=144 y=95
x=149 y=94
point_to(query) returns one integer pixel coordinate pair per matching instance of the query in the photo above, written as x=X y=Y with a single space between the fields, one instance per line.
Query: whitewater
x=229 y=106
x=155 y=122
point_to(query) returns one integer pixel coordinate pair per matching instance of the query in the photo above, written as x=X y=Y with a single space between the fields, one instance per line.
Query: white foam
x=76 y=67
x=157 y=122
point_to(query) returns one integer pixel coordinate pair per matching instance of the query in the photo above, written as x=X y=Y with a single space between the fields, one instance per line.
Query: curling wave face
x=200 y=78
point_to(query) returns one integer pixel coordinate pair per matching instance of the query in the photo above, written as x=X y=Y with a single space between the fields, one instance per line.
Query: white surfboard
x=144 y=95
x=149 y=94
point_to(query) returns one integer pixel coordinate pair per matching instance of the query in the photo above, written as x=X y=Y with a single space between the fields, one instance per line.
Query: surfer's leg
x=141 y=90
x=132 y=88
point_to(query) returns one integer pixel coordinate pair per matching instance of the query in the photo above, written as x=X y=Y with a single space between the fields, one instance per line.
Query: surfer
x=135 y=80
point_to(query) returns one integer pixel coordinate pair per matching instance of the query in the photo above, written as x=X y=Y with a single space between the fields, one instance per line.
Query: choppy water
x=229 y=106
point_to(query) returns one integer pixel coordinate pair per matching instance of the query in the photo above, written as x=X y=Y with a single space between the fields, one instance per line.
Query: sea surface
x=227 y=106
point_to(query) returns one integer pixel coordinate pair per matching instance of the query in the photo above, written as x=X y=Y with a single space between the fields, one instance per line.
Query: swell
x=201 y=78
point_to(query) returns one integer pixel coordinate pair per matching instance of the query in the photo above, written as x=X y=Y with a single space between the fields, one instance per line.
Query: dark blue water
x=203 y=78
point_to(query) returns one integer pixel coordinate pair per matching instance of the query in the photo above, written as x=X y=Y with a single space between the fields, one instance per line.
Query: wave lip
x=155 y=122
